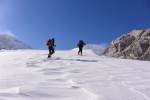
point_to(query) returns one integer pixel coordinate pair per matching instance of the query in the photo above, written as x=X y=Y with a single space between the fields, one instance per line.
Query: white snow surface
x=30 y=75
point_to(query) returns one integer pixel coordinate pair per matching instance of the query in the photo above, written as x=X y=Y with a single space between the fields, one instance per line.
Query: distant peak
x=10 y=42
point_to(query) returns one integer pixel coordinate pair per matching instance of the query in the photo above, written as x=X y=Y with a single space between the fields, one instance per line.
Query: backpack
x=48 y=43
x=80 y=43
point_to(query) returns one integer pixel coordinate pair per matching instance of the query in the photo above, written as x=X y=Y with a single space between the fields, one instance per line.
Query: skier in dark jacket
x=51 y=45
x=80 y=45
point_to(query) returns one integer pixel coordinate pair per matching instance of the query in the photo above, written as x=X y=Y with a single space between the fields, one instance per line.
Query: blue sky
x=94 y=21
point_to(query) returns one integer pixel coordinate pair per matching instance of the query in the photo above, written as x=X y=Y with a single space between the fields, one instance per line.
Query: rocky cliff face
x=134 y=45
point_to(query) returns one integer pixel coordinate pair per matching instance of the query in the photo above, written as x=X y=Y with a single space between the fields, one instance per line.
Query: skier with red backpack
x=80 y=45
x=50 y=43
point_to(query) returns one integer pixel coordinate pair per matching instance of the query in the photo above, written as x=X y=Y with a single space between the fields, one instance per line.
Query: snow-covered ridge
x=97 y=49
x=10 y=42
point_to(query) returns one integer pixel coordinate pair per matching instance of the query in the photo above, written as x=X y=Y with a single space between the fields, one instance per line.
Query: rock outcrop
x=134 y=45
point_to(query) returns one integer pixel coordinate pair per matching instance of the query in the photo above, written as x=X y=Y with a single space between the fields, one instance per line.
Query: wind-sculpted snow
x=29 y=75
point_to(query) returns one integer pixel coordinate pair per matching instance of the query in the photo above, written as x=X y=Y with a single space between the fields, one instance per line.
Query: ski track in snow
x=132 y=89
x=71 y=77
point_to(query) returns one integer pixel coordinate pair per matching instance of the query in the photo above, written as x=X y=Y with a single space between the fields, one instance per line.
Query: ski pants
x=80 y=49
x=51 y=50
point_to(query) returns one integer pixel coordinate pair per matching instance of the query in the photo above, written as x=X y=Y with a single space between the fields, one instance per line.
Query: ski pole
x=85 y=49
x=54 y=51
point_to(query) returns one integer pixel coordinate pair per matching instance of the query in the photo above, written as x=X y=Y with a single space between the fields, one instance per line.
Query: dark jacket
x=81 y=44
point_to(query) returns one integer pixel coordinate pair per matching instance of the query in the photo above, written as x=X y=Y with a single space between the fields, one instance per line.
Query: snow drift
x=29 y=75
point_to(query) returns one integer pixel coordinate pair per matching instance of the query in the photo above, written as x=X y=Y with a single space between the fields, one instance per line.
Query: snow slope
x=29 y=75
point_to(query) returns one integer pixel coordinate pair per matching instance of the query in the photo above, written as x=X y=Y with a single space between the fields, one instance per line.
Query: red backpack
x=48 y=42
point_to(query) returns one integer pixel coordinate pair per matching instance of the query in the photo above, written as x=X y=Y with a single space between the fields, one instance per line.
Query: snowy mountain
x=10 y=42
x=30 y=75
x=97 y=49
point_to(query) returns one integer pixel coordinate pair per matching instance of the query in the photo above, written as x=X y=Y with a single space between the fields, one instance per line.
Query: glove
x=55 y=45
